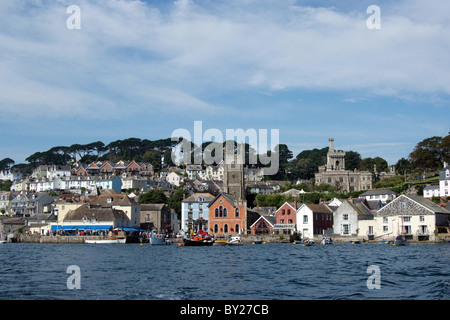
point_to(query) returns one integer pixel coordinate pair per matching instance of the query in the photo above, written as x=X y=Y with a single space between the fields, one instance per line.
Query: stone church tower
x=233 y=175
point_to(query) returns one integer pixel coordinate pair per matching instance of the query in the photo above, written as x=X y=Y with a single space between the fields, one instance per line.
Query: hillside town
x=94 y=199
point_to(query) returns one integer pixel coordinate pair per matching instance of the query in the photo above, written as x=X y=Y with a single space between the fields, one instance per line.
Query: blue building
x=195 y=212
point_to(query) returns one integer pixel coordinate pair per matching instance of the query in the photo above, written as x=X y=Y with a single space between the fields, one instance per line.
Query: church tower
x=335 y=158
x=233 y=175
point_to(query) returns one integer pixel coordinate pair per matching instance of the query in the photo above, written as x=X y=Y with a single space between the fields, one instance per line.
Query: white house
x=10 y=175
x=431 y=191
x=174 y=179
x=414 y=217
x=379 y=194
x=347 y=218
x=444 y=181
x=313 y=219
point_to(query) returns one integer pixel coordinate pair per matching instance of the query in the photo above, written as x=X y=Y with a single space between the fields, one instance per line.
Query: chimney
x=295 y=203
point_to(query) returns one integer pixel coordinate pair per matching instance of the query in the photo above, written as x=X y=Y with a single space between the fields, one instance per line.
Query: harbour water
x=248 y=272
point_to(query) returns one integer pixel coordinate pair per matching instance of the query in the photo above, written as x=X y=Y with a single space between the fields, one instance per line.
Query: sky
x=311 y=69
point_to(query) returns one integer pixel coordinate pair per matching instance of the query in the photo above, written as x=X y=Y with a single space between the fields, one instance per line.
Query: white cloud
x=130 y=53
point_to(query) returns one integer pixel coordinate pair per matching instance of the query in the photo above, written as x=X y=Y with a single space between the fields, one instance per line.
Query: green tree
x=430 y=153
x=153 y=196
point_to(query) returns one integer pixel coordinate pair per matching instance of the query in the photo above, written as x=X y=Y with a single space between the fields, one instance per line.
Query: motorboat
x=157 y=239
x=235 y=241
x=257 y=240
x=355 y=241
x=198 y=241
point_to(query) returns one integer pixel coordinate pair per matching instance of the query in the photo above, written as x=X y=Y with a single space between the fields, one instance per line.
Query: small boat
x=235 y=241
x=257 y=240
x=220 y=242
x=327 y=240
x=384 y=241
x=2 y=241
x=106 y=241
x=157 y=239
x=198 y=241
x=400 y=241
x=355 y=241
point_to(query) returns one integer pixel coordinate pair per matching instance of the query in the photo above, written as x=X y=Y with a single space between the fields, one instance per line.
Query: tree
x=430 y=153
x=352 y=160
x=6 y=163
x=153 y=196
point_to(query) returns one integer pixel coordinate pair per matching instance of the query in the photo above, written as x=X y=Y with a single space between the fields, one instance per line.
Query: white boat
x=235 y=241
x=2 y=241
x=106 y=241
x=157 y=239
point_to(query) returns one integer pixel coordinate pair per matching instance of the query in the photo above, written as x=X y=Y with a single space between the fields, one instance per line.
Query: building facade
x=334 y=173
x=227 y=215
x=195 y=212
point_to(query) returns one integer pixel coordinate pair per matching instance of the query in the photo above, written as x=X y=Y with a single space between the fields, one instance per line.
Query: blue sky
x=311 y=69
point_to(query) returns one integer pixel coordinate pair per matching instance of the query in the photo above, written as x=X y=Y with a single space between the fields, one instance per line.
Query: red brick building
x=286 y=218
x=227 y=215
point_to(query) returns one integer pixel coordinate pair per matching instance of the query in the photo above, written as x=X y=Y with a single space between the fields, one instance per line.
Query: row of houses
x=415 y=217
x=103 y=213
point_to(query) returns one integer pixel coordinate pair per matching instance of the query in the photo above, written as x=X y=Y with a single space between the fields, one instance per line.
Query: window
x=225 y=228
x=236 y=212
x=236 y=227
x=289 y=211
x=406 y=219
x=305 y=219
x=345 y=229
x=385 y=229
x=385 y=219
x=421 y=218
x=290 y=221
x=220 y=211
x=423 y=230
x=282 y=221
x=345 y=217
x=216 y=212
x=370 y=229
x=402 y=205
x=225 y=212
x=282 y=211
x=216 y=228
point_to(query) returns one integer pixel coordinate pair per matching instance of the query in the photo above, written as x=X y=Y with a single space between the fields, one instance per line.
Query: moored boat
x=355 y=241
x=400 y=241
x=157 y=239
x=235 y=241
x=105 y=241
x=198 y=241
x=327 y=240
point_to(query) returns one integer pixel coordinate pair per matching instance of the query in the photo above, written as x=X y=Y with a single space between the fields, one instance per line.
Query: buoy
x=142 y=244
x=180 y=244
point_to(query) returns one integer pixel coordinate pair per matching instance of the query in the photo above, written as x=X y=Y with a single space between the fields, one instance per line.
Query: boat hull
x=198 y=243
x=106 y=241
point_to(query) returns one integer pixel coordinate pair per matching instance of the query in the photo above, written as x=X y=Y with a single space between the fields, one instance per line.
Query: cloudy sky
x=310 y=68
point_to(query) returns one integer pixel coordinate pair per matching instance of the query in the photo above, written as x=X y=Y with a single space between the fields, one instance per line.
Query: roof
x=430 y=205
x=207 y=197
x=442 y=175
x=152 y=206
x=100 y=214
x=270 y=219
x=318 y=208
x=431 y=188
x=378 y=192
x=109 y=200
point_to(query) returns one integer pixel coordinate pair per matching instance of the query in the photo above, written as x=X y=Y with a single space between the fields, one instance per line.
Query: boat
x=400 y=241
x=235 y=241
x=257 y=240
x=384 y=241
x=157 y=239
x=198 y=241
x=355 y=241
x=106 y=241
x=327 y=240
x=2 y=241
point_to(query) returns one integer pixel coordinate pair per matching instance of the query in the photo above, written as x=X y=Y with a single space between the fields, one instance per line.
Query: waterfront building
x=314 y=220
x=348 y=217
x=264 y=225
x=227 y=215
x=195 y=212
x=286 y=218
x=414 y=217
x=431 y=191
x=121 y=202
x=5 y=202
x=156 y=215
